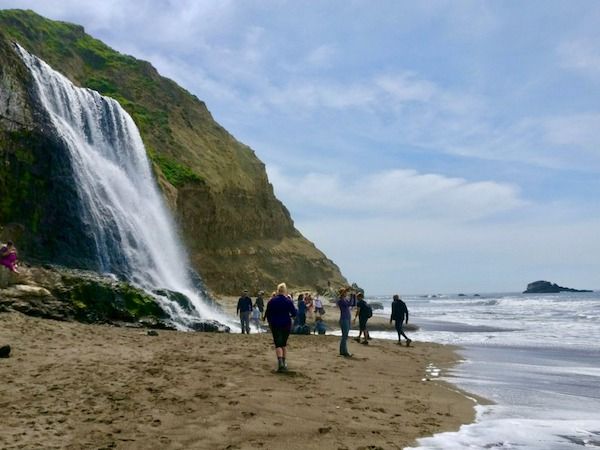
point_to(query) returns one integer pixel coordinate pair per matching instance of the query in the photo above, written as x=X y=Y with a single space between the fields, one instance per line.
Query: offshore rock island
x=546 y=287
x=237 y=233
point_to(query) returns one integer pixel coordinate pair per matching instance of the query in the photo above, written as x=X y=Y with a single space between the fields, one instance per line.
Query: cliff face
x=39 y=207
x=238 y=234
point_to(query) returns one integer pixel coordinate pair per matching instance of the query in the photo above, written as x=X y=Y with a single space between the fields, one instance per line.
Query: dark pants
x=400 y=330
x=280 y=336
x=245 y=321
x=345 y=326
x=302 y=319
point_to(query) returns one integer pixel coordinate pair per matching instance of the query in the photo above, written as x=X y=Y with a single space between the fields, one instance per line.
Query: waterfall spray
x=134 y=234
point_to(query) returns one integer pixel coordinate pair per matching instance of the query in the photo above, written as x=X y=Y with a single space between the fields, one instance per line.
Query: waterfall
x=133 y=231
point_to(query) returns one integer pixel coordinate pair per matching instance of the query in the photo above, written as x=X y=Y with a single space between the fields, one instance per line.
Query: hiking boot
x=408 y=341
x=365 y=342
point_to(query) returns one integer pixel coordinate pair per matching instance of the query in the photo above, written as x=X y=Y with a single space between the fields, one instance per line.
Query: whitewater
x=134 y=234
x=535 y=356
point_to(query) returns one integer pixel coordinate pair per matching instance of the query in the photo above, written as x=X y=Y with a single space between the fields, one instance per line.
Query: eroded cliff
x=237 y=232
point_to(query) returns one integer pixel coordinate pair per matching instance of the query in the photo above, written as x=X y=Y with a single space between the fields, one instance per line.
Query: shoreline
x=72 y=385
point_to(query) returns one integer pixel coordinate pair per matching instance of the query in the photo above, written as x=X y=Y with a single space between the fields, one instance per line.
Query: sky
x=448 y=146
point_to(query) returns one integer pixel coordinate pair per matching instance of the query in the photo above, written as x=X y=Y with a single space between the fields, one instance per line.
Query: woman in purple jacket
x=345 y=318
x=279 y=312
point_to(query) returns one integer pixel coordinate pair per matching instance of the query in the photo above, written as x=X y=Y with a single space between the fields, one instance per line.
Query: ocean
x=535 y=356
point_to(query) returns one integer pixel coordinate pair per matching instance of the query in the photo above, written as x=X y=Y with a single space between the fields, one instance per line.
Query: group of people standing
x=280 y=310
x=348 y=299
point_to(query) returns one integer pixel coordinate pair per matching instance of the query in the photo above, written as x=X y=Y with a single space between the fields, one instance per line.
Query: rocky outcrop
x=69 y=294
x=4 y=351
x=546 y=287
x=237 y=232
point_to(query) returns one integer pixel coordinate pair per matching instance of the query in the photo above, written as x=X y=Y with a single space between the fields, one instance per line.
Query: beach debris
x=431 y=371
x=5 y=351
x=152 y=333
x=324 y=430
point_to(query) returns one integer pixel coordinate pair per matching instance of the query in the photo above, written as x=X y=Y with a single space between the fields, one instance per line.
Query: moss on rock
x=98 y=300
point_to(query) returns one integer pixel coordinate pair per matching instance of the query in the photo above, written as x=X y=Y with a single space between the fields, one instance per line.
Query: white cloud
x=581 y=54
x=396 y=193
x=580 y=130
x=406 y=87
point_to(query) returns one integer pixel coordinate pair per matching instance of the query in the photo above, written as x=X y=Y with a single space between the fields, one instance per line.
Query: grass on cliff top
x=133 y=83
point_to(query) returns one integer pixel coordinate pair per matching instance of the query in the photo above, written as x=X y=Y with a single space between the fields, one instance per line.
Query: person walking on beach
x=256 y=316
x=345 y=318
x=260 y=302
x=244 y=309
x=364 y=313
x=8 y=257
x=399 y=314
x=280 y=310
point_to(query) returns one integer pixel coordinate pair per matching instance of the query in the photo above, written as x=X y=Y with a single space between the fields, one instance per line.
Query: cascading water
x=133 y=232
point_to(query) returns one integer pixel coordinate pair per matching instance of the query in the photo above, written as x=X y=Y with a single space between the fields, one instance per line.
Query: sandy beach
x=75 y=386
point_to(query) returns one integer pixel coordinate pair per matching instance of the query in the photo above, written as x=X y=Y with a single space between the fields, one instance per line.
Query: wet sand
x=75 y=386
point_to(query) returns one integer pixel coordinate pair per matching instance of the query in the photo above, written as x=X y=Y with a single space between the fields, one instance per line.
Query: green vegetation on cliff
x=237 y=233
x=95 y=299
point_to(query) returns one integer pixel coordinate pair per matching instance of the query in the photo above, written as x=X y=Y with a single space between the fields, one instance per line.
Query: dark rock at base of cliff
x=376 y=305
x=209 y=326
x=545 y=287
x=58 y=293
x=181 y=299
x=5 y=351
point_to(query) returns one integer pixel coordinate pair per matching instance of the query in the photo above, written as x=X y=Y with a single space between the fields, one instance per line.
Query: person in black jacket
x=399 y=314
x=364 y=313
x=260 y=302
x=244 y=308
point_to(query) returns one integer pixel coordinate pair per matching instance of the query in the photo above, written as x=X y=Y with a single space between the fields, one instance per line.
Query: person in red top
x=279 y=312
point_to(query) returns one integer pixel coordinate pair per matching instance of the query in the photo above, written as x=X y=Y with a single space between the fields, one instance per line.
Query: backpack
x=369 y=310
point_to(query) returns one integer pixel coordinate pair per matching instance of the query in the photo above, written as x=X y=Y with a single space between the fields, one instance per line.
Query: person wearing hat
x=244 y=309
x=260 y=301
x=345 y=320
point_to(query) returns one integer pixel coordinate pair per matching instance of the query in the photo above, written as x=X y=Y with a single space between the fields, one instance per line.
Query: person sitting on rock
x=8 y=257
x=320 y=326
